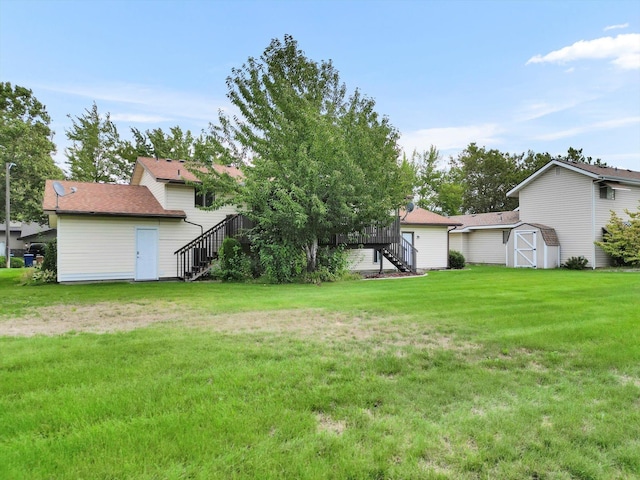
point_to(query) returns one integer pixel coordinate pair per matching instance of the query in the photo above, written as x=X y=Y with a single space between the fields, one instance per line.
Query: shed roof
x=105 y=199
x=549 y=234
x=420 y=216
x=174 y=171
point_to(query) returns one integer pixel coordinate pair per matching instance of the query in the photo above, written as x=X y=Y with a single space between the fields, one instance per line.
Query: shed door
x=524 y=244
x=146 y=253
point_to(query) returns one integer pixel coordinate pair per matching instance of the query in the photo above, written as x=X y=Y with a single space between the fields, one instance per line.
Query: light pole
x=8 y=217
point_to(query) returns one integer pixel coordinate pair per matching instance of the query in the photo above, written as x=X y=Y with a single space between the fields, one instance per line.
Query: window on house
x=204 y=199
x=505 y=236
x=376 y=256
x=607 y=193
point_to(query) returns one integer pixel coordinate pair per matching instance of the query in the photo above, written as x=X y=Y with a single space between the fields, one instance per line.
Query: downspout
x=593 y=224
x=196 y=224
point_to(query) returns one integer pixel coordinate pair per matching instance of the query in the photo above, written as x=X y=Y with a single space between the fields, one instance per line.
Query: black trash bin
x=28 y=259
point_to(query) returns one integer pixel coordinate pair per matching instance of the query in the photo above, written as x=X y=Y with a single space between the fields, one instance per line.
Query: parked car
x=37 y=248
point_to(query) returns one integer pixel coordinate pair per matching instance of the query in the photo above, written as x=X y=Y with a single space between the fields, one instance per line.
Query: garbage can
x=28 y=259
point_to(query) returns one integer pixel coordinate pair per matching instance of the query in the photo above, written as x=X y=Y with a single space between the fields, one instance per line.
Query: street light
x=8 y=217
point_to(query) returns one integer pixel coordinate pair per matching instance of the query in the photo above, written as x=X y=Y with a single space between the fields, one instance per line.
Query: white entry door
x=525 y=253
x=146 y=253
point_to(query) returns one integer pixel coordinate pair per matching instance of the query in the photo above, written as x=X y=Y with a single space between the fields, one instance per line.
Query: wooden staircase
x=196 y=258
x=388 y=241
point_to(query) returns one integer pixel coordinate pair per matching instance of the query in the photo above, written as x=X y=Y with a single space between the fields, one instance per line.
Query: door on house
x=525 y=253
x=146 y=253
x=407 y=252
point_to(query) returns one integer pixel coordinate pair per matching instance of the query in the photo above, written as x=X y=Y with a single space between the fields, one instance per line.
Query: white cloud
x=531 y=111
x=623 y=49
x=606 y=125
x=616 y=27
x=448 y=138
x=154 y=102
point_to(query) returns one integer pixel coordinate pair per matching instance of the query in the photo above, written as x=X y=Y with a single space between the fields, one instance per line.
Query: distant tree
x=438 y=190
x=95 y=151
x=25 y=139
x=316 y=162
x=622 y=239
x=175 y=144
x=576 y=156
x=487 y=176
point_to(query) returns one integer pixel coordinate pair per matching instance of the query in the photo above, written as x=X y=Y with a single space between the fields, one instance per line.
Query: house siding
x=430 y=241
x=485 y=246
x=562 y=199
x=624 y=199
x=104 y=248
x=157 y=189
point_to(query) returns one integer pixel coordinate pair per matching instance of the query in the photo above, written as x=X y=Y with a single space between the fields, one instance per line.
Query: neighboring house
x=21 y=234
x=422 y=230
x=153 y=228
x=576 y=200
x=563 y=209
x=482 y=237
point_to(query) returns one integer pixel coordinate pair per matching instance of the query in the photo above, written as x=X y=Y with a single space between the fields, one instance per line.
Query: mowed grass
x=482 y=373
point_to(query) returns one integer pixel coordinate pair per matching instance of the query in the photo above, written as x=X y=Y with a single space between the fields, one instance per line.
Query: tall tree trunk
x=312 y=254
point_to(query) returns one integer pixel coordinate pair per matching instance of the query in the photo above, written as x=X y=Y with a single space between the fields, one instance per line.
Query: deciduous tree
x=26 y=140
x=95 y=151
x=317 y=162
x=622 y=239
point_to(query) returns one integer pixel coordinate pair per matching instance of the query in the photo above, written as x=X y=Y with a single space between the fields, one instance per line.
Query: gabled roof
x=420 y=216
x=549 y=234
x=105 y=199
x=173 y=171
x=595 y=172
x=482 y=221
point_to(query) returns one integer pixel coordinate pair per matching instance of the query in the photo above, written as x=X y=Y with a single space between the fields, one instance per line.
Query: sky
x=508 y=75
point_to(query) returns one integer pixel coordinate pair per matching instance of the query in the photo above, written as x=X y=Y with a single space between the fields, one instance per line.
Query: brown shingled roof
x=497 y=219
x=105 y=199
x=420 y=216
x=176 y=170
x=607 y=172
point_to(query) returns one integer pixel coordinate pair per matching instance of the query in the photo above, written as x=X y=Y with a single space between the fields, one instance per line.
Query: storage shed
x=532 y=245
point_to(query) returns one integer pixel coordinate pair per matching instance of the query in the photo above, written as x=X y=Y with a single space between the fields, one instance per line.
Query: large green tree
x=95 y=151
x=26 y=141
x=175 y=144
x=317 y=161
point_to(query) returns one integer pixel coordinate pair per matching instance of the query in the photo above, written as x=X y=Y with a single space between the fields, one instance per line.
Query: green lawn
x=483 y=373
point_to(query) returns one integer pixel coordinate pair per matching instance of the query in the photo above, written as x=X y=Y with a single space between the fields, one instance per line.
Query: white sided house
x=153 y=229
x=423 y=245
x=129 y=232
x=575 y=200
x=563 y=209
x=482 y=237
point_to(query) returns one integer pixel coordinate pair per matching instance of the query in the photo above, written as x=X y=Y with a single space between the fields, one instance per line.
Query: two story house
x=153 y=228
x=563 y=209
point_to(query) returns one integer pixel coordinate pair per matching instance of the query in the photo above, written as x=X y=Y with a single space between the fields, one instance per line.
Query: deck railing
x=195 y=257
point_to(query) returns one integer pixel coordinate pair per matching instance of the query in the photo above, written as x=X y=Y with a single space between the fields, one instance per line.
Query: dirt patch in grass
x=330 y=425
x=318 y=324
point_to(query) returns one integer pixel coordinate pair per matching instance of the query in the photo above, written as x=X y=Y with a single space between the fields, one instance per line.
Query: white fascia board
x=529 y=179
x=486 y=227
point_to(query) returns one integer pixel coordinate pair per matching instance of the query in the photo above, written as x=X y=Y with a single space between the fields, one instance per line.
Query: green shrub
x=233 y=264
x=16 y=262
x=37 y=276
x=50 y=261
x=575 y=263
x=456 y=260
x=280 y=263
x=331 y=265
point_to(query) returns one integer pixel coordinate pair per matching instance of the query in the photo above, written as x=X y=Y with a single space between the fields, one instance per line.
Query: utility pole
x=8 y=216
